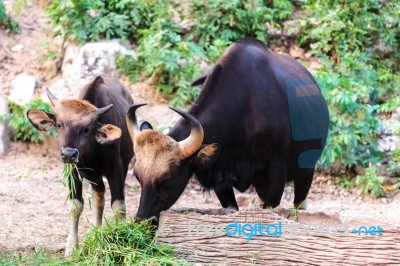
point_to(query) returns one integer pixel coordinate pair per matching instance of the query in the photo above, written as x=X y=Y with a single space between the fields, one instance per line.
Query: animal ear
x=97 y=81
x=107 y=134
x=199 y=81
x=145 y=125
x=41 y=120
x=206 y=156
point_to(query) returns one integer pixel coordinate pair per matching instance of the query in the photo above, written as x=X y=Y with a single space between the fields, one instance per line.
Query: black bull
x=267 y=120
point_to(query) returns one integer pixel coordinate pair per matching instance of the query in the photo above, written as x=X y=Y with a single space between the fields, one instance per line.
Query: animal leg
x=117 y=188
x=270 y=187
x=98 y=199
x=226 y=197
x=76 y=208
x=224 y=191
x=302 y=183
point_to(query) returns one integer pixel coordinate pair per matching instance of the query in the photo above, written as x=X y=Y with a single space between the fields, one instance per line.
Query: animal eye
x=86 y=130
x=58 y=125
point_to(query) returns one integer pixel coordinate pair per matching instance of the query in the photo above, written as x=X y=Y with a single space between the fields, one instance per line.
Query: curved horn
x=131 y=120
x=192 y=143
x=104 y=110
x=53 y=99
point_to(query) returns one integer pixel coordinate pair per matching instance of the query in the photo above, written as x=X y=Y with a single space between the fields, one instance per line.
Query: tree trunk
x=317 y=239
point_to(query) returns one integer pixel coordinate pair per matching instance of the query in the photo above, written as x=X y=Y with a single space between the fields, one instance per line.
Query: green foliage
x=227 y=21
x=23 y=130
x=88 y=20
x=333 y=27
x=19 y=4
x=394 y=164
x=167 y=54
x=353 y=136
x=13 y=258
x=371 y=183
x=127 y=243
x=344 y=182
x=396 y=155
x=169 y=62
x=6 y=21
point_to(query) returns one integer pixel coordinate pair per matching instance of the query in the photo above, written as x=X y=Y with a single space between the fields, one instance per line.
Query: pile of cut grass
x=124 y=243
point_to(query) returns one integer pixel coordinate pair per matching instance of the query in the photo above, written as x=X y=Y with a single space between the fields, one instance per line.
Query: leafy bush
x=167 y=53
x=23 y=130
x=333 y=27
x=353 y=136
x=344 y=182
x=6 y=21
x=163 y=56
x=88 y=20
x=371 y=183
x=362 y=40
x=394 y=164
x=226 y=21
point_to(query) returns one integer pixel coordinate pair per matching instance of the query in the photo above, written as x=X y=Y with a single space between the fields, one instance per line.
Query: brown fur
x=75 y=111
x=157 y=153
x=40 y=119
x=207 y=154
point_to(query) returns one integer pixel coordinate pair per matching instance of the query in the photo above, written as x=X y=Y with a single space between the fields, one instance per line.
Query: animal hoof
x=292 y=215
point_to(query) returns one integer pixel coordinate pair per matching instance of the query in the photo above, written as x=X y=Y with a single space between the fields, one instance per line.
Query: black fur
x=244 y=107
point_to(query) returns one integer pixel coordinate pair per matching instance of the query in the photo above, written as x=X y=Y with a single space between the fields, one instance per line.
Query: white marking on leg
x=75 y=212
x=98 y=198
x=118 y=206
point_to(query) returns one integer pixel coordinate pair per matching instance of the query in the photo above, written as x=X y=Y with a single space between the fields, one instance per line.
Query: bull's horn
x=53 y=99
x=192 y=143
x=104 y=110
x=131 y=120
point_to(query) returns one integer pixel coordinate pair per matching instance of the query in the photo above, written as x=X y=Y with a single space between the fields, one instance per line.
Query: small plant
x=394 y=163
x=23 y=130
x=7 y=21
x=344 y=182
x=371 y=183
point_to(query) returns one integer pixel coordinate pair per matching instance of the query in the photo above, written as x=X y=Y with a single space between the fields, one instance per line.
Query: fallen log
x=256 y=236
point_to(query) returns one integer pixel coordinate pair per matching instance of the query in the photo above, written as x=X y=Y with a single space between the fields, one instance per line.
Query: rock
x=23 y=86
x=4 y=132
x=82 y=65
x=388 y=143
x=94 y=59
x=60 y=89
x=17 y=48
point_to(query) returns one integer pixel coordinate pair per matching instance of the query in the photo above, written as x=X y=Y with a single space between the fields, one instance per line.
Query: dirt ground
x=33 y=213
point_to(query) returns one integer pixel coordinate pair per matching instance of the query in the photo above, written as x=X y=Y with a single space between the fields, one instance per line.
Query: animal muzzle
x=152 y=220
x=69 y=155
